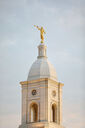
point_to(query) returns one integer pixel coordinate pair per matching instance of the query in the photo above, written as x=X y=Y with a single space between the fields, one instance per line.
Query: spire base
x=42 y=51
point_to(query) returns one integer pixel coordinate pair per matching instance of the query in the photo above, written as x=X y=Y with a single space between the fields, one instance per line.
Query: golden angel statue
x=42 y=31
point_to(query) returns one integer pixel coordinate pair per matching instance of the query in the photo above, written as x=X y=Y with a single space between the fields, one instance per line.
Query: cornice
x=46 y=80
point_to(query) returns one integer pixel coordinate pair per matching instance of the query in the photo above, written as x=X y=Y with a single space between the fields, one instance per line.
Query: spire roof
x=42 y=68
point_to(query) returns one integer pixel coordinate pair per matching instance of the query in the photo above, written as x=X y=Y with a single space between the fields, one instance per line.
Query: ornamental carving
x=34 y=92
x=54 y=93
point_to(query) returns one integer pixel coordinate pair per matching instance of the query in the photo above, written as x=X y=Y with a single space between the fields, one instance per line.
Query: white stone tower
x=41 y=95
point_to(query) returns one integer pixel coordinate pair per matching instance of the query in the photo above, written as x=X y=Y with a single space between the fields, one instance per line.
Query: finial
x=42 y=31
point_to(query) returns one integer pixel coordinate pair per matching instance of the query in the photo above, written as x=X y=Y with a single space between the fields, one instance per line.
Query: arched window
x=34 y=112
x=54 y=113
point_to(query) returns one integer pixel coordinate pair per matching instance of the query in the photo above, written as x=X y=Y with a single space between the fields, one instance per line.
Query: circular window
x=54 y=93
x=34 y=92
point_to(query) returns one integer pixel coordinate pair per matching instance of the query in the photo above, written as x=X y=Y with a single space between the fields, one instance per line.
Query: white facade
x=41 y=95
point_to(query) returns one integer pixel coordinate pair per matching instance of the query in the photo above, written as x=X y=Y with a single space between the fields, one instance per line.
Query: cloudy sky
x=64 y=23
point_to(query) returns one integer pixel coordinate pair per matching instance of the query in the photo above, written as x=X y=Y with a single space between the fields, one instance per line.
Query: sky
x=64 y=23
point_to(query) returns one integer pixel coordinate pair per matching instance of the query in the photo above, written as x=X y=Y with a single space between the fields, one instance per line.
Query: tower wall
x=24 y=104
x=44 y=98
